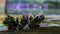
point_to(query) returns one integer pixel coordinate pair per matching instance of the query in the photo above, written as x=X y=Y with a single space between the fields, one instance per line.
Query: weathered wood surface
x=42 y=30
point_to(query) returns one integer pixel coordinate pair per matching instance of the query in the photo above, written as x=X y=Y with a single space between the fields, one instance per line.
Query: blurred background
x=2 y=6
x=46 y=7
